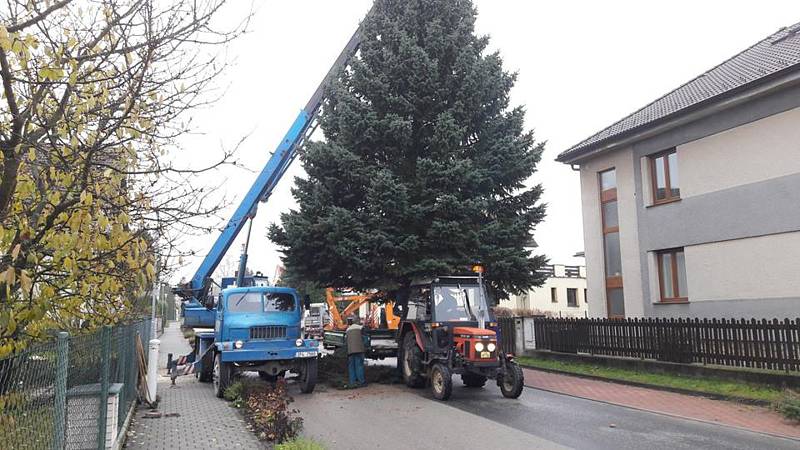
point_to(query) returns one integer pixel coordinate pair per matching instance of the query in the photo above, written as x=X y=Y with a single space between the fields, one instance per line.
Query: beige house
x=691 y=205
x=562 y=295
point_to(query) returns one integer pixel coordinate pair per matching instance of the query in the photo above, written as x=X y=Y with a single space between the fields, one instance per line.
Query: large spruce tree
x=423 y=165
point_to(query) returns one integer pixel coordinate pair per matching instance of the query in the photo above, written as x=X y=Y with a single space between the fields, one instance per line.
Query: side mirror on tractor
x=307 y=302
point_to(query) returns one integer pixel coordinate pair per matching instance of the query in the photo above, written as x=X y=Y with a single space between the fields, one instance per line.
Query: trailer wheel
x=513 y=381
x=222 y=375
x=308 y=376
x=473 y=380
x=441 y=381
x=409 y=361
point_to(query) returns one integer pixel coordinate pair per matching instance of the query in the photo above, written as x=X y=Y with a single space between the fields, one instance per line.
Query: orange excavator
x=377 y=316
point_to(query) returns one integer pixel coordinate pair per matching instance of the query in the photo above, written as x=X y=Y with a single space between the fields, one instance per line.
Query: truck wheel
x=222 y=375
x=308 y=376
x=267 y=376
x=410 y=360
x=205 y=376
x=441 y=381
x=513 y=381
x=473 y=380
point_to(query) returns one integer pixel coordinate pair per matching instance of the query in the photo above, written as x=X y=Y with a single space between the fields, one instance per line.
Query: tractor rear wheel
x=222 y=374
x=473 y=380
x=308 y=376
x=410 y=361
x=441 y=381
x=512 y=383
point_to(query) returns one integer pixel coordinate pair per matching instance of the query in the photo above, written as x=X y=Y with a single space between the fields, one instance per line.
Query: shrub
x=235 y=393
x=500 y=311
x=268 y=412
x=300 y=444
x=789 y=405
x=522 y=312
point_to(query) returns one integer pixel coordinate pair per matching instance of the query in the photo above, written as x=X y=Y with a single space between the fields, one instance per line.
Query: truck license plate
x=486 y=354
x=306 y=354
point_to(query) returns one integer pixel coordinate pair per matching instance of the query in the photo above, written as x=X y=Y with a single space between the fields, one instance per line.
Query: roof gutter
x=705 y=108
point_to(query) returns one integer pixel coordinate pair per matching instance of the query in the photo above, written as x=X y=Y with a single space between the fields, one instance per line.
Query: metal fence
x=763 y=344
x=74 y=392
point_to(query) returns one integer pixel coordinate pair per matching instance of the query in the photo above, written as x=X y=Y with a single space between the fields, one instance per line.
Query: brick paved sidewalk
x=753 y=418
x=204 y=421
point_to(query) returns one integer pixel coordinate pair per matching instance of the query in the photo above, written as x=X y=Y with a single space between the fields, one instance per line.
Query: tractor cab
x=447 y=329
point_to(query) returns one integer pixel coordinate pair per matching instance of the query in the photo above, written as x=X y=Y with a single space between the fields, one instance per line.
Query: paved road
x=580 y=423
x=384 y=416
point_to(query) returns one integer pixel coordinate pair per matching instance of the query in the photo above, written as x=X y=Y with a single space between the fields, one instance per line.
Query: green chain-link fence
x=52 y=394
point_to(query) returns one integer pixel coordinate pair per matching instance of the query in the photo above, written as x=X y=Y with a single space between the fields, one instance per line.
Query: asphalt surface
x=394 y=416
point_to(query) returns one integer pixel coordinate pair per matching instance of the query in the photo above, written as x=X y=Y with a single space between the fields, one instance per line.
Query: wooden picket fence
x=762 y=344
x=507 y=334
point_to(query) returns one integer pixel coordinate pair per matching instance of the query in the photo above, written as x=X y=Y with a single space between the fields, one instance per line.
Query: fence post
x=102 y=418
x=62 y=356
x=124 y=360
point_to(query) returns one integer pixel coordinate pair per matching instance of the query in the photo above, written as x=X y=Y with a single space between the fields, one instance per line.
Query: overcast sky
x=581 y=65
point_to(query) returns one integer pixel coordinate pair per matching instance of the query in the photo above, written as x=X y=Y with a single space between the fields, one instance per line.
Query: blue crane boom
x=195 y=292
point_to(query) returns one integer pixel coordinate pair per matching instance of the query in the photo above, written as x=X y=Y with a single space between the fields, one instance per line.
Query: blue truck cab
x=256 y=329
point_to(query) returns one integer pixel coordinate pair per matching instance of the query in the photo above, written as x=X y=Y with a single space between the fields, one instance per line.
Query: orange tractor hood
x=472 y=331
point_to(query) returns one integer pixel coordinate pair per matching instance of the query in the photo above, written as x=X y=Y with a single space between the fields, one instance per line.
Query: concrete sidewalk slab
x=172 y=341
x=192 y=417
x=748 y=417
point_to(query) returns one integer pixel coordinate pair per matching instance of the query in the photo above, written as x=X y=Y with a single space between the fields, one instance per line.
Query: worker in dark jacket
x=355 y=352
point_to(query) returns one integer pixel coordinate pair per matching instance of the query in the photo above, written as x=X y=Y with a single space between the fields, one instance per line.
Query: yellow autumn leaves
x=70 y=254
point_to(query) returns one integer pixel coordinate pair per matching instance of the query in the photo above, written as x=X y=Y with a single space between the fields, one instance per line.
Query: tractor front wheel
x=441 y=381
x=512 y=383
x=410 y=361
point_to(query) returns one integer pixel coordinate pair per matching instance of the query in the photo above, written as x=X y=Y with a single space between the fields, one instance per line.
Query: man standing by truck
x=355 y=352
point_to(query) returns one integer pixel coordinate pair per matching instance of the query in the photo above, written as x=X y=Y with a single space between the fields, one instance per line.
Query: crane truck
x=255 y=327
x=446 y=327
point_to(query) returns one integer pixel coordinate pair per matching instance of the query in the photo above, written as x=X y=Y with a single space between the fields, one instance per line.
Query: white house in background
x=691 y=205
x=562 y=295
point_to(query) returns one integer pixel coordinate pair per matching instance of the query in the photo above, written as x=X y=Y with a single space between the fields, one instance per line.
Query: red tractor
x=446 y=330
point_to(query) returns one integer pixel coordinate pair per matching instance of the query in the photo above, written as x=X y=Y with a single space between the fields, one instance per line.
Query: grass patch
x=300 y=444
x=23 y=425
x=704 y=385
x=789 y=405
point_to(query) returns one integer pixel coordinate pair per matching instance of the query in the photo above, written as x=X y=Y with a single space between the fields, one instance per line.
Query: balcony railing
x=547 y=269
x=572 y=271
